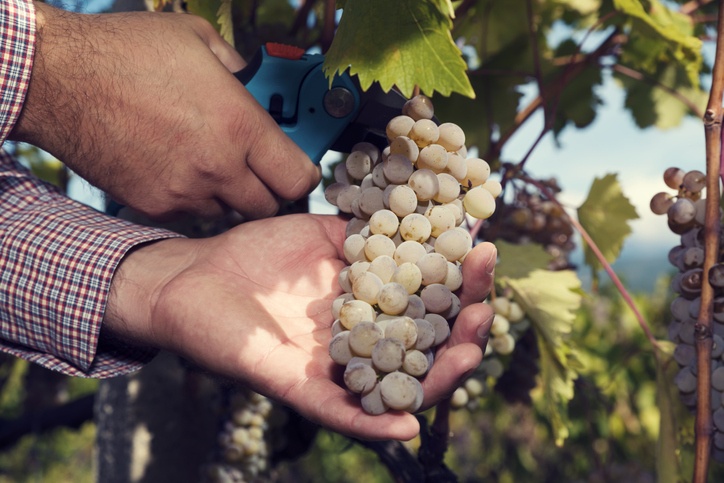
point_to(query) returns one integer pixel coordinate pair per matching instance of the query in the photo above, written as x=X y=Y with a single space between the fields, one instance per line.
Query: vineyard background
x=614 y=418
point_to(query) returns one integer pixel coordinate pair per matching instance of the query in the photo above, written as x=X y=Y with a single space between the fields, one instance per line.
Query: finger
x=250 y=197
x=478 y=273
x=331 y=406
x=461 y=354
x=226 y=53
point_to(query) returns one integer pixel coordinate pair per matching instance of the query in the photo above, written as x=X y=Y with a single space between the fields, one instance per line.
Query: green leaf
x=550 y=300
x=676 y=29
x=605 y=215
x=405 y=43
x=518 y=261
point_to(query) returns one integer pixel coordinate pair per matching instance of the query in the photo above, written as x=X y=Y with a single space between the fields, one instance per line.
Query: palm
x=284 y=287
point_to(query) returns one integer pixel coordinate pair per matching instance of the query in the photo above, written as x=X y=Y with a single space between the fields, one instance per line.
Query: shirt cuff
x=17 y=46
x=57 y=260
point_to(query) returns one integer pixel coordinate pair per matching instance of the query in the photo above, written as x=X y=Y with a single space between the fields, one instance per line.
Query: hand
x=144 y=107
x=255 y=304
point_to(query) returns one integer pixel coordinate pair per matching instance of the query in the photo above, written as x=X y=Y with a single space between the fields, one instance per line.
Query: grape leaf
x=549 y=300
x=225 y=20
x=605 y=215
x=402 y=43
x=676 y=29
x=518 y=261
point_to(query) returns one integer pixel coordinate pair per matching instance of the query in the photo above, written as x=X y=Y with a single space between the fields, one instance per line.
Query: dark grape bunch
x=405 y=245
x=685 y=213
x=532 y=218
x=508 y=326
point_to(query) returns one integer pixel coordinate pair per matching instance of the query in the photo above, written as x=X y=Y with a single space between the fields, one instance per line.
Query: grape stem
x=712 y=132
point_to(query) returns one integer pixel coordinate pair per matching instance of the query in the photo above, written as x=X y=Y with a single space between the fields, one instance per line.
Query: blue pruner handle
x=291 y=86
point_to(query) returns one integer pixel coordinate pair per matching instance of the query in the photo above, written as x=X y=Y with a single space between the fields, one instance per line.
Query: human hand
x=143 y=106
x=254 y=304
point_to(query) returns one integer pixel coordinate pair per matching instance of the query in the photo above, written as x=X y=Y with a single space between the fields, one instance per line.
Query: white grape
x=378 y=245
x=456 y=166
x=354 y=227
x=367 y=287
x=363 y=337
x=454 y=278
x=360 y=378
x=415 y=307
x=369 y=149
x=459 y=398
x=500 y=325
x=400 y=391
x=425 y=184
x=347 y=196
x=339 y=349
x=372 y=402
x=378 y=176
x=355 y=311
x=408 y=275
x=433 y=268
x=397 y=168
x=425 y=334
x=424 y=132
x=388 y=354
x=436 y=297
x=358 y=165
x=403 y=329
x=332 y=191
x=337 y=327
x=384 y=267
x=343 y=279
x=494 y=187
x=339 y=301
x=341 y=175
x=454 y=244
x=402 y=200
x=479 y=203
x=415 y=363
x=455 y=305
x=451 y=136
x=384 y=222
x=419 y=107
x=503 y=344
x=357 y=269
x=409 y=251
x=393 y=298
x=371 y=200
x=448 y=188
x=415 y=227
x=477 y=173
x=433 y=157
x=406 y=147
x=354 y=248
x=399 y=126
x=441 y=326
x=441 y=219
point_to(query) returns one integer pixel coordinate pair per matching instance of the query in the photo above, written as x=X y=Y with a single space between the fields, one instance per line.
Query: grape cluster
x=530 y=218
x=405 y=245
x=508 y=326
x=685 y=214
x=244 y=440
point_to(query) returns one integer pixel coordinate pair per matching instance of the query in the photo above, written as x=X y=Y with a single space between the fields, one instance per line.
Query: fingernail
x=484 y=328
x=490 y=265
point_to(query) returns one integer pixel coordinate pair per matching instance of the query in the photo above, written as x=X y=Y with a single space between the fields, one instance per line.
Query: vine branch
x=712 y=132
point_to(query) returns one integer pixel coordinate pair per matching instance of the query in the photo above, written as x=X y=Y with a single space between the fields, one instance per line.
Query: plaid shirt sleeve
x=17 y=41
x=57 y=256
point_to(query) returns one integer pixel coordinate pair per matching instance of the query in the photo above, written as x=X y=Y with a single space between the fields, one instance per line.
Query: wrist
x=138 y=282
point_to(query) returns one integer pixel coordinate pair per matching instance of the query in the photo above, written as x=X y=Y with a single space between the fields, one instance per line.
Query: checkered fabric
x=57 y=256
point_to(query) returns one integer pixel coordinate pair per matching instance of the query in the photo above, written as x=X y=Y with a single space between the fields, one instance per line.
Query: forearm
x=57 y=260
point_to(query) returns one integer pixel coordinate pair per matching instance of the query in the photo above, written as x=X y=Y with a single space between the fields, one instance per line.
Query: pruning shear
x=291 y=86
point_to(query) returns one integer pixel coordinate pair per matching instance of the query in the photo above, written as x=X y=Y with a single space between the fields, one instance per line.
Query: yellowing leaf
x=550 y=300
x=225 y=20
x=605 y=215
x=404 y=43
